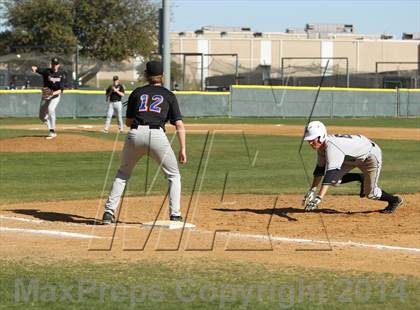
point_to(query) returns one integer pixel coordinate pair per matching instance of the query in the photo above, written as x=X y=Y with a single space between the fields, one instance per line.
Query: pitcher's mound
x=62 y=143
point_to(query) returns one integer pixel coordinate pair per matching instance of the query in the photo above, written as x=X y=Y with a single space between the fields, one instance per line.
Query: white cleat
x=51 y=135
x=105 y=130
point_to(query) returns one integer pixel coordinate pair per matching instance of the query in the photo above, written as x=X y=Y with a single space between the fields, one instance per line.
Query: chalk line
x=313 y=241
x=54 y=233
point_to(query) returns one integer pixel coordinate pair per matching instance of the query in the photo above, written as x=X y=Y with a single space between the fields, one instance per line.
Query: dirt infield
x=348 y=233
x=62 y=143
x=281 y=130
x=44 y=230
x=78 y=143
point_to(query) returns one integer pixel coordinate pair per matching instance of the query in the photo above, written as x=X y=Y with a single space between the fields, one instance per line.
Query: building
x=212 y=51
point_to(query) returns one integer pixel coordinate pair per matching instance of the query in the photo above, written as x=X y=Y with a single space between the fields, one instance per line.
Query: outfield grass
x=222 y=285
x=277 y=169
x=364 y=122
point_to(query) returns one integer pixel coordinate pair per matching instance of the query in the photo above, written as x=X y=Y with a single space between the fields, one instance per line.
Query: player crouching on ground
x=337 y=155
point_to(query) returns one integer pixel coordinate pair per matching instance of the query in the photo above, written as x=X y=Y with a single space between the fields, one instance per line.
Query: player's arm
x=132 y=106
x=107 y=94
x=120 y=93
x=175 y=118
x=180 y=133
x=310 y=194
x=129 y=122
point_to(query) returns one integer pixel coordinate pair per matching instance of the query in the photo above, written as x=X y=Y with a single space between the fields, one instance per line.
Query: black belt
x=135 y=126
x=373 y=144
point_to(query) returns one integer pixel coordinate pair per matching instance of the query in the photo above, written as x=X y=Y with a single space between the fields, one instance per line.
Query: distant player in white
x=113 y=94
x=337 y=155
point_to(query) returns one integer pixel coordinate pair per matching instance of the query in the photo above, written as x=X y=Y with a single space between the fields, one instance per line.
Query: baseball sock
x=388 y=197
x=351 y=177
x=52 y=130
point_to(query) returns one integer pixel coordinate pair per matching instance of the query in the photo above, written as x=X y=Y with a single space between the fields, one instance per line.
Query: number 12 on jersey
x=146 y=105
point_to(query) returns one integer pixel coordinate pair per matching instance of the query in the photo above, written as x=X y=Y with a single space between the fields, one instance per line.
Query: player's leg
x=371 y=169
x=162 y=152
x=355 y=177
x=109 y=114
x=43 y=111
x=51 y=115
x=118 y=109
x=133 y=150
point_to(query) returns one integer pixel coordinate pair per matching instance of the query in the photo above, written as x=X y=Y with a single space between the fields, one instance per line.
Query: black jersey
x=113 y=96
x=153 y=105
x=52 y=80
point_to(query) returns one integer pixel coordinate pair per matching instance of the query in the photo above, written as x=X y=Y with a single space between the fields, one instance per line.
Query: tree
x=45 y=23
x=105 y=30
x=115 y=29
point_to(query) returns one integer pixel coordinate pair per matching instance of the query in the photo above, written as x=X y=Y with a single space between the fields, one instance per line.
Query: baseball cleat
x=105 y=130
x=51 y=135
x=392 y=206
x=176 y=218
x=108 y=218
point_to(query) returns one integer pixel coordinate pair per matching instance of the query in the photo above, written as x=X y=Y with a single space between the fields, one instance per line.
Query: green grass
x=208 y=285
x=364 y=122
x=277 y=170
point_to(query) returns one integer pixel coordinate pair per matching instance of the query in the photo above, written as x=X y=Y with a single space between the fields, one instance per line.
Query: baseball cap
x=55 y=61
x=115 y=77
x=154 y=68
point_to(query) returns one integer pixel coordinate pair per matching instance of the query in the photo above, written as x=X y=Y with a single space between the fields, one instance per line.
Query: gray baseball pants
x=371 y=168
x=47 y=111
x=117 y=107
x=145 y=141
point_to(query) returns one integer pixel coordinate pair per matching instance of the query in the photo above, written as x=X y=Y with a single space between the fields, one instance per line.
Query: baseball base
x=169 y=224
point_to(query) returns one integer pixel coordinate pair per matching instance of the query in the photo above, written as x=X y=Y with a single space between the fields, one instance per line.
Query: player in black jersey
x=113 y=95
x=149 y=108
x=53 y=79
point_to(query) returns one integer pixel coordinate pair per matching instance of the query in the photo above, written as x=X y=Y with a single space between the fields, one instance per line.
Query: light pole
x=166 y=55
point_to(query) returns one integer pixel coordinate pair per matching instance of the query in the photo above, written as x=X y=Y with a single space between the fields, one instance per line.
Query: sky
x=367 y=16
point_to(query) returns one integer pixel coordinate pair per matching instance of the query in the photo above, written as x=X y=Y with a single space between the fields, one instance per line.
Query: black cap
x=115 y=77
x=154 y=68
x=55 y=61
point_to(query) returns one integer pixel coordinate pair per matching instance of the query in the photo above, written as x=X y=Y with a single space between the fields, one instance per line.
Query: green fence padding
x=241 y=101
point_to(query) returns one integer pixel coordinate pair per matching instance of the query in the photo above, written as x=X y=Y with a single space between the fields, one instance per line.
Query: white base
x=169 y=224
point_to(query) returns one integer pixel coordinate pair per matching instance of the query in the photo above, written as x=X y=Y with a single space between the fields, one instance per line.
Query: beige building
x=361 y=53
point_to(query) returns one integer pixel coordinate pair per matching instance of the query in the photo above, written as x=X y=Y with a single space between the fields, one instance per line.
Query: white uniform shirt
x=343 y=149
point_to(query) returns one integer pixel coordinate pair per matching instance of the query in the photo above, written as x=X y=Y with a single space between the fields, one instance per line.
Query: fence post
x=230 y=102
x=397 y=99
x=332 y=104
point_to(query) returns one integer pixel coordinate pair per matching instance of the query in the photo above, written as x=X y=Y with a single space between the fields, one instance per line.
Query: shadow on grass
x=284 y=212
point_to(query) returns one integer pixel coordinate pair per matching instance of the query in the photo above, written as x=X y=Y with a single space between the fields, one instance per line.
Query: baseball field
x=253 y=246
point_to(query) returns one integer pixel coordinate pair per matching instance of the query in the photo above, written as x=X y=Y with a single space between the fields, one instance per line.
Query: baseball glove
x=309 y=196
x=313 y=204
x=47 y=93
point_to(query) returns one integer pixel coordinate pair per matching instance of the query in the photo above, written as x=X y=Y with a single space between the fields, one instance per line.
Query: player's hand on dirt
x=312 y=205
x=182 y=156
x=309 y=196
